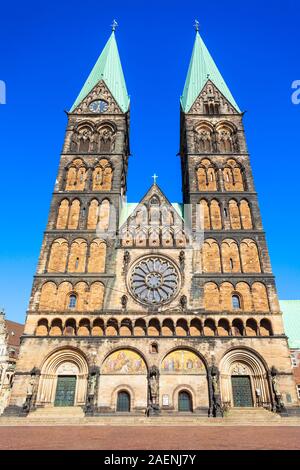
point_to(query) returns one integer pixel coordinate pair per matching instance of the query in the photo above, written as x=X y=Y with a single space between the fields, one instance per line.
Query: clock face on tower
x=98 y=106
x=154 y=280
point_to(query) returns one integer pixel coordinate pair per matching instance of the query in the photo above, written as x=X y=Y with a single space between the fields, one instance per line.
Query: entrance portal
x=65 y=390
x=241 y=391
x=184 y=402
x=123 y=402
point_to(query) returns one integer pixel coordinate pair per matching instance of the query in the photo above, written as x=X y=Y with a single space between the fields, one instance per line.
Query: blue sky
x=47 y=50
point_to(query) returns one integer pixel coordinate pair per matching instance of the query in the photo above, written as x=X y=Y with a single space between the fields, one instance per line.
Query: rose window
x=154 y=280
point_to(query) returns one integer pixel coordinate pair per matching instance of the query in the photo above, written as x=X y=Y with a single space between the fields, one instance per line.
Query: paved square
x=148 y=438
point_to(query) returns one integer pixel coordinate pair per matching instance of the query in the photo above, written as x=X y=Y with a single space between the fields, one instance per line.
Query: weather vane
x=154 y=178
x=114 y=25
x=196 y=25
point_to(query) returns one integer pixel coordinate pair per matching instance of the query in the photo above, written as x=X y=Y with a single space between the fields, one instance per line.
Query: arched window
x=236 y=302
x=203 y=139
x=233 y=177
x=84 y=139
x=227 y=139
x=102 y=176
x=107 y=139
x=185 y=402
x=206 y=176
x=123 y=402
x=76 y=176
x=72 y=301
x=63 y=213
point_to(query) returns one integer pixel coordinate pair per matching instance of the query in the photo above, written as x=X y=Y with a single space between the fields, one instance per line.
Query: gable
x=210 y=96
x=99 y=92
x=154 y=221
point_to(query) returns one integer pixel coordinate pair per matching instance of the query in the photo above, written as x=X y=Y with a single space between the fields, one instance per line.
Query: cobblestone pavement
x=150 y=438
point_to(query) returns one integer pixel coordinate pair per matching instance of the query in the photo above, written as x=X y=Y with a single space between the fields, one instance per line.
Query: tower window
x=236 y=302
x=72 y=301
x=154 y=348
x=76 y=263
x=231 y=263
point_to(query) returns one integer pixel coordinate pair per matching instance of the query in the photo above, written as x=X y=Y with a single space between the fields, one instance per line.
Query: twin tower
x=142 y=307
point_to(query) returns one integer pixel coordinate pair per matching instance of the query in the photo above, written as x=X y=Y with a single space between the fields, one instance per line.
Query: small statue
x=217 y=410
x=275 y=386
x=153 y=381
x=215 y=385
x=30 y=387
x=274 y=373
x=181 y=260
x=126 y=259
x=92 y=384
x=124 y=301
x=183 y=302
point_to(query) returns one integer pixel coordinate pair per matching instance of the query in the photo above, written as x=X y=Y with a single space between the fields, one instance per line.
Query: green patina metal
x=201 y=69
x=109 y=69
x=291 y=319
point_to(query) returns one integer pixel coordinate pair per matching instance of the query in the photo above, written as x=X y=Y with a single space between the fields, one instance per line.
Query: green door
x=184 y=402
x=241 y=391
x=65 y=390
x=123 y=402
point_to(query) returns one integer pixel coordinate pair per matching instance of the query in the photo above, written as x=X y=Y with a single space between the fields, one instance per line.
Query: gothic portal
x=154 y=307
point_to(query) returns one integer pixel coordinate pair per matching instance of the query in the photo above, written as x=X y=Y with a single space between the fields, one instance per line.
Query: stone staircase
x=252 y=416
x=74 y=416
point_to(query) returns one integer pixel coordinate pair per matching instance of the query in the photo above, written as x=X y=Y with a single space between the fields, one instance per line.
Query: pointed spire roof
x=109 y=69
x=201 y=69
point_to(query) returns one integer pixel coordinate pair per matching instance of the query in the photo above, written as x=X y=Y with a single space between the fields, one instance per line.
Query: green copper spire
x=201 y=69
x=109 y=69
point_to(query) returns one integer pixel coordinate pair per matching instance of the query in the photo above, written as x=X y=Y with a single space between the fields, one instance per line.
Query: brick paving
x=148 y=438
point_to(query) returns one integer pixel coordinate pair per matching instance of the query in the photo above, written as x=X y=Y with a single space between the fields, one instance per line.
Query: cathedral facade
x=154 y=307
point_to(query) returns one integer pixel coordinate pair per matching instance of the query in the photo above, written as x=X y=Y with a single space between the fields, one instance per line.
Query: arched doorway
x=63 y=380
x=65 y=390
x=124 y=383
x=243 y=379
x=123 y=402
x=183 y=382
x=185 y=403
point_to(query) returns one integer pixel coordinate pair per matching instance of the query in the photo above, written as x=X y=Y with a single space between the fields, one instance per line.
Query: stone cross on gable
x=154 y=178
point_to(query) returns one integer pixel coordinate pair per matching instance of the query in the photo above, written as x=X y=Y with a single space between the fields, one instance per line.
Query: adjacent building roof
x=291 y=320
x=15 y=331
x=109 y=69
x=203 y=68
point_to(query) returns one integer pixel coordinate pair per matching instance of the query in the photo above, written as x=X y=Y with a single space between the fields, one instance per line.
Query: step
x=59 y=412
x=251 y=415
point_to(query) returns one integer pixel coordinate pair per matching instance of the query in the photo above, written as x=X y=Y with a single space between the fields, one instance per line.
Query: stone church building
x=154 y=307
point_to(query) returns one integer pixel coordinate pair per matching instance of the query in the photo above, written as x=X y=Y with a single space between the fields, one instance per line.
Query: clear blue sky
x=47 y=50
